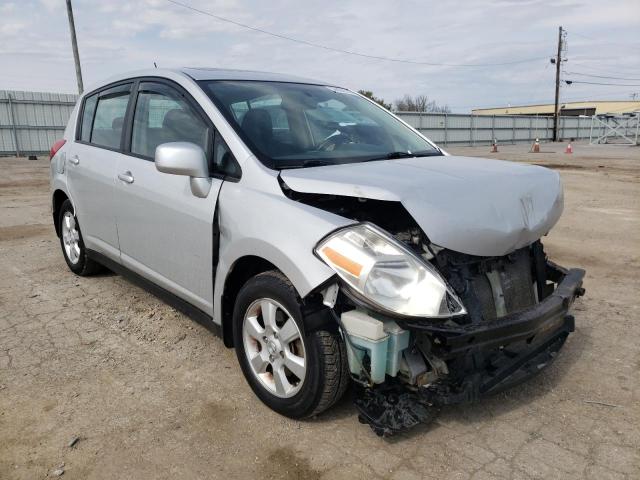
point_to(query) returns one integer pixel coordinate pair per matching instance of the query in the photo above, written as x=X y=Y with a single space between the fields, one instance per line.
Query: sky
x=603 y=40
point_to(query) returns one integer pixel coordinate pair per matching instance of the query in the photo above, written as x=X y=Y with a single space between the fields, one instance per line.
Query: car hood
x=471 y=205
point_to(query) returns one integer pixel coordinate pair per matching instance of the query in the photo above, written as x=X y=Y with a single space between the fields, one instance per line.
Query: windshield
x=290 y=125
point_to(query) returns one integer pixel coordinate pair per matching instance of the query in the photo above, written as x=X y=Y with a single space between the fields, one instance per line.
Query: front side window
x=109 y=119
x=289 y=125
x=162 y=116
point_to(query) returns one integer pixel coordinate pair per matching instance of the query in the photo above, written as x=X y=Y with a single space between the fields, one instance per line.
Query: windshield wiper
x=403 y=154
x=399 y=154
x=305 y=163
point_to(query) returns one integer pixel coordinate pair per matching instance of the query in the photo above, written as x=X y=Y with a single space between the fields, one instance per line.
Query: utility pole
x=558 y=62
x=74 y=45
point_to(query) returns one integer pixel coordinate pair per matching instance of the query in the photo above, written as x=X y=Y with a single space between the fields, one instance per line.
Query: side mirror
x=188 y=159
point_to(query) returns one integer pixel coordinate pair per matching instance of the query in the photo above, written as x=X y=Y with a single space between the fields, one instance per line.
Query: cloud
x=123 y=35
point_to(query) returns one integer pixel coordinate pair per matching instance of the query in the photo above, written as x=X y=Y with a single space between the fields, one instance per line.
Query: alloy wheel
x=274 y=347
x=71 y=237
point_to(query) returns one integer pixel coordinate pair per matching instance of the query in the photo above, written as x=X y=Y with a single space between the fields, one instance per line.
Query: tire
x=73 y=249
x=326 y=374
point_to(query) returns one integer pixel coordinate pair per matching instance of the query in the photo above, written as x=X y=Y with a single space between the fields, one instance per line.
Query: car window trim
x=103 y=92
x=162 y=88
x=127 y=127
x=169 y=85
x=97 y=92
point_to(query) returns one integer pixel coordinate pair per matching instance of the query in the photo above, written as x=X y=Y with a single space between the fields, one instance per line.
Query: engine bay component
x=374 y=345
x=415 y=366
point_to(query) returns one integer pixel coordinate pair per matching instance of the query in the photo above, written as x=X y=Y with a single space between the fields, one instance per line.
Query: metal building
x=573 y=109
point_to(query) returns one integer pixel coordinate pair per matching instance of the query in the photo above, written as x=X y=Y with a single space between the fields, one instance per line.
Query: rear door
x=165 y=232
x=91 y=166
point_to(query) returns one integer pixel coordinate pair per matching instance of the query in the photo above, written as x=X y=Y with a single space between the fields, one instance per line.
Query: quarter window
x=224 y=163
x=87 y=117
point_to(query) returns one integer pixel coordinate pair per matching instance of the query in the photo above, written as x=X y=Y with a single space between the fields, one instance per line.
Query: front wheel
x=296 y=374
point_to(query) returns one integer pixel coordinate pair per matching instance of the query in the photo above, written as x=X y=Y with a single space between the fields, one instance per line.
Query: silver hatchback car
x=321 y=236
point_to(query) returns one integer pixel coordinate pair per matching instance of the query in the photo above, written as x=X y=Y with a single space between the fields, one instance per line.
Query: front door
x=166 y=232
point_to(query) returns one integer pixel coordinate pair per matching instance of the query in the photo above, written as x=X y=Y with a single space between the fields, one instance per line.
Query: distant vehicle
x=325 y=239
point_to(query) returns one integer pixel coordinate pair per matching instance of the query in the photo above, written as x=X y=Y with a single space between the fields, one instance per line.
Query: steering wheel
x=333 y=141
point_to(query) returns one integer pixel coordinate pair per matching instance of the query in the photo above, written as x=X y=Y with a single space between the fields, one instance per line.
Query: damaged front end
x=499 y=321
x=464 y=326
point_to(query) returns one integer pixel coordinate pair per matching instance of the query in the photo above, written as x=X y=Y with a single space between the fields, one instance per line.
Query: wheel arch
x=57 y=199
x=243 y=269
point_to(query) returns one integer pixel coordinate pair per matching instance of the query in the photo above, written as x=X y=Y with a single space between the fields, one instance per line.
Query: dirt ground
x=152 y=395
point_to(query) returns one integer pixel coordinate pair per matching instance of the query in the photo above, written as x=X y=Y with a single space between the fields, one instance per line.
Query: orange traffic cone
x=494 y=146
x=569 y=148
x=536 y=146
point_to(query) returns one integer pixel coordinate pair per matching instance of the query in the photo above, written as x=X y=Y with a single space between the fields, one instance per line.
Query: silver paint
x=161 y=225
x=470 y=205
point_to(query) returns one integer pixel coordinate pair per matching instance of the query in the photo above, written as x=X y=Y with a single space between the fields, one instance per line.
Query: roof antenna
x=154 y=64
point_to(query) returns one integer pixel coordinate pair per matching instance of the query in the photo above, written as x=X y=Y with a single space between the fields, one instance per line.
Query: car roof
x=198 y=73
x=205 y=74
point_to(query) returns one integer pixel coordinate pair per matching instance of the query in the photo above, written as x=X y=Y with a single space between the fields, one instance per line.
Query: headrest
x=258 y=127
x=117 y=123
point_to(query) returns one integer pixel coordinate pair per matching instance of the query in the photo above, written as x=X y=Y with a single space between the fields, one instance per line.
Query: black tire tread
x=336 y=372
x=337 y=377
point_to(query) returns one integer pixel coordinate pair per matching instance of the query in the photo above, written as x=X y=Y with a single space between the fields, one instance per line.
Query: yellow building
x=616 y=107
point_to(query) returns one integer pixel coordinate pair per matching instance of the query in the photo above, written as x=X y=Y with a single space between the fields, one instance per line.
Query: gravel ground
x=146 y=393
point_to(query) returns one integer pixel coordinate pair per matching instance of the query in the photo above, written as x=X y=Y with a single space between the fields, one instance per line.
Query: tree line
x=409 y=103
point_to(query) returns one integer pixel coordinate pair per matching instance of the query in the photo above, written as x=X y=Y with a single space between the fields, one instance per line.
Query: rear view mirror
x=188 y=159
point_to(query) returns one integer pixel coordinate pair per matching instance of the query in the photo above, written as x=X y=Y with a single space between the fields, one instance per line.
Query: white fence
x=30 y=122
x=465 y=129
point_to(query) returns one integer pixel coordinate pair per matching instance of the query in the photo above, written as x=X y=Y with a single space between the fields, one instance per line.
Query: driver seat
x=257 y=125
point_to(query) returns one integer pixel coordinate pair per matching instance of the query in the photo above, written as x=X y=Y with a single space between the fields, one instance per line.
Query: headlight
x=387 y=274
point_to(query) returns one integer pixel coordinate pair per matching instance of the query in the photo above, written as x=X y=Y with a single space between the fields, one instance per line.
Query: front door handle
x=126 y=177
x=74 y=160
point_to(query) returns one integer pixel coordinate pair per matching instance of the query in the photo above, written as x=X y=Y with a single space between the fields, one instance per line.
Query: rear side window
x=109 y=120
x=87 y=117
x=163 y=116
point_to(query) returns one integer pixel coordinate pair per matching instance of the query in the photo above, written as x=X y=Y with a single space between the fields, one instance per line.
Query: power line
x=349 y=52
x=569 y=82
x=607 y=43
x=600 y=76
x=618 y=68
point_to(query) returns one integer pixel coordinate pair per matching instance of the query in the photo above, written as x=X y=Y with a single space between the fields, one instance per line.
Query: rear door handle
x=126 y=177
x=74 y=160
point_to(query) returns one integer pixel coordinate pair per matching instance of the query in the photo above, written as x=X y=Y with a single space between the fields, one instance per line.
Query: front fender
x=274 y=228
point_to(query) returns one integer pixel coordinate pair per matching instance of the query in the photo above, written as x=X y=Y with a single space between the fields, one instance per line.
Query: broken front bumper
x=492 y=356
x=482 y=358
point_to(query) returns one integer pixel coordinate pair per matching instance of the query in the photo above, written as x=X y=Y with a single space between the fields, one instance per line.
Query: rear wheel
x=73 y=249
x=295 y=374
